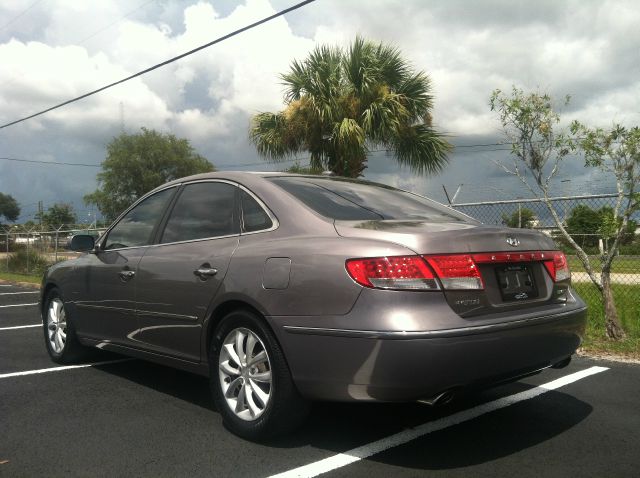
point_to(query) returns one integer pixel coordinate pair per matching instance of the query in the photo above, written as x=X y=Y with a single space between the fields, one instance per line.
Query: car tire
x=59 y=334
x=250 y=379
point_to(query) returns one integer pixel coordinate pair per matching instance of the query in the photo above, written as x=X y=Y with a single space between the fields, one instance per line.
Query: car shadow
x=339 y=427
x=185 y=386
x=342 y=427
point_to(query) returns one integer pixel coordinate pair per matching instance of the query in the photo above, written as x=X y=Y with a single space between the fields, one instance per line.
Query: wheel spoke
x=259 y=358
x=251 y=343
x=241 y=402
x=63 y=334
x=52 y=315
x=57 y=305
x=240 y=348
x=233 y=386
x=58 y=343
x=253 y=407
x=232 y=353
x=228 y=369
x=264 y=377
x=261 y=394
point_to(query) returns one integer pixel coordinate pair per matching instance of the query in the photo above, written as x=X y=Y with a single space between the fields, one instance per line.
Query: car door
x=179 y=276
x=106 y=303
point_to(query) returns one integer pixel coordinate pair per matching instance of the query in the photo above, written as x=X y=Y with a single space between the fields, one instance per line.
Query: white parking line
x=370 y=449
x=60 y=369
x=20 y=327
x=17 y=293
x=17 y=305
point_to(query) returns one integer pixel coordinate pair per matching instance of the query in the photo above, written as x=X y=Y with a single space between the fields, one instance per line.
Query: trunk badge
x=513 y=241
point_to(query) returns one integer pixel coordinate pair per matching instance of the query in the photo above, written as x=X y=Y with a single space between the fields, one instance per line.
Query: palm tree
x=339 y=105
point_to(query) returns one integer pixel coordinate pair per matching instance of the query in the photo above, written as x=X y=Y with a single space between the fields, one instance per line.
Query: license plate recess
x=516 y=282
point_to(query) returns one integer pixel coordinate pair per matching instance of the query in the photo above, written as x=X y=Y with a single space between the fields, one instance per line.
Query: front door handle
x=205 y=272
x=126 y=276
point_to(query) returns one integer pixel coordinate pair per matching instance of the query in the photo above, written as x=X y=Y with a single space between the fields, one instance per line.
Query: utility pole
x=40 y=212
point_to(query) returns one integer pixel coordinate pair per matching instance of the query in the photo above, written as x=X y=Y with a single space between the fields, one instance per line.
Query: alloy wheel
x=57 y=325
x=245 y=374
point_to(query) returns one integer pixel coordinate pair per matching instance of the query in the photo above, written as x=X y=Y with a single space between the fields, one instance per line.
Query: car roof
x=238 y=176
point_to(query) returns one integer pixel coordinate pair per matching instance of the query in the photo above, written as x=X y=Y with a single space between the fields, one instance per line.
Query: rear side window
x=203 y=210
x=254 y=218
x=344 y=199
x=137 y=226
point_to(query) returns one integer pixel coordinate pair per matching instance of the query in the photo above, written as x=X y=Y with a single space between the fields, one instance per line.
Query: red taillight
x=557 y=266
x=456 y=271
x=404 y=272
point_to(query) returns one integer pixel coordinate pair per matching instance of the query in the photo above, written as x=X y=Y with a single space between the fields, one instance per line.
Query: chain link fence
x=30 y=251
x=589 y=220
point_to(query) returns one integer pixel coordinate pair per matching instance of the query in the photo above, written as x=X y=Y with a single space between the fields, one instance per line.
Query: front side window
x=203 y=210
x=137 y=226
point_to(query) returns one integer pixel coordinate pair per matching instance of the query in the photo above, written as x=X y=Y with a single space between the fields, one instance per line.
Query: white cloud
x=63 y=48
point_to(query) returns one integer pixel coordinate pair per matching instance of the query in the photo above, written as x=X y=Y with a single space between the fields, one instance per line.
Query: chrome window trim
x=272 y=216
x=213 y=238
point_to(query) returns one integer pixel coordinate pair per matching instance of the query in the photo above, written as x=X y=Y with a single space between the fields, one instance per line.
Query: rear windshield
x=354 y=200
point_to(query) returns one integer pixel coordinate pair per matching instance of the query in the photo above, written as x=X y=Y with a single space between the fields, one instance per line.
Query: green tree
x=584 y=224
x=297 y=168
x=59 y=214
x=538 y=146
x=340 y=103
x=137 y=163
x=9 y=208
x=522 y=217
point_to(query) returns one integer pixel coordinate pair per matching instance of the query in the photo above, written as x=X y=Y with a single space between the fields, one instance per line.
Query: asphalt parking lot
x=131 y=418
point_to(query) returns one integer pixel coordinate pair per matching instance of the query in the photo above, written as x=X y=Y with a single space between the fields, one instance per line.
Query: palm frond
x=274 y=137
x=421 y=148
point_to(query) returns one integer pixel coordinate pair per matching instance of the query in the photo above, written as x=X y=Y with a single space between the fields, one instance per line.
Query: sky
x=54 y=50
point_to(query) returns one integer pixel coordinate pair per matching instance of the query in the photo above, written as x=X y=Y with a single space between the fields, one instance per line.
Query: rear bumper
x=347 y=364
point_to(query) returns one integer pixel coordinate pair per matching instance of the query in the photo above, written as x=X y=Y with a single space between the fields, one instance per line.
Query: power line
x=19 y=15
x=114 y=22
x=164 y=63
x=60 y=163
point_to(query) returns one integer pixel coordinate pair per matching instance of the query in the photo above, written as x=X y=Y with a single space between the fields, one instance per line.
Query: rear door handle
x=205 y=272
x=126 y=276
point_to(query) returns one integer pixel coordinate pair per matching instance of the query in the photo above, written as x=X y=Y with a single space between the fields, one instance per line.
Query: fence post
x=28 y=233
x=56 y=246
x=7 y=250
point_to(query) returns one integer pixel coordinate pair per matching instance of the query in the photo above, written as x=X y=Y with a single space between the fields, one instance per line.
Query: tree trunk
x=612 y=322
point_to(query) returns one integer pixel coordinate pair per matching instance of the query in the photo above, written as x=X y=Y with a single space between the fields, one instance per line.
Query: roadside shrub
x=27 y=263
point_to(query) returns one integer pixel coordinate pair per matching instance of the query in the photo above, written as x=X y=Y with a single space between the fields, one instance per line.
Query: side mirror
x=82 y=243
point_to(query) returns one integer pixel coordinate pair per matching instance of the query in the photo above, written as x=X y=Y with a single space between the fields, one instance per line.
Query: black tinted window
x=254 y=218
x=202 y=210
x=344 y=199
x=136 y=227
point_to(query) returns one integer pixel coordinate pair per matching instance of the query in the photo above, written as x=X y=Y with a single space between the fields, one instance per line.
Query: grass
x=10 y=276
x=627 y=299
x=621 y=265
